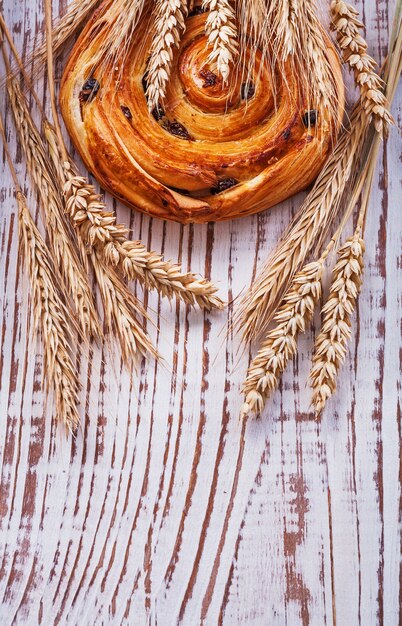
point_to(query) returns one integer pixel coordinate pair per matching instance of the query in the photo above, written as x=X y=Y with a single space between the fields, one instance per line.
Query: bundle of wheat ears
x=84 y=238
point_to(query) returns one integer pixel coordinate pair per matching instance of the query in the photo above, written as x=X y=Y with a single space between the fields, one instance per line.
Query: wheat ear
x=122 y=17
x=314 y=218
x=252 y=17
x=119 y=305
x=295 y=35
x=71 y=273
x=348 y=29
x=137 y=262
x=313 y=50
x=169 y=25
x=280 y=345
x=120 y=309
x=51 y=317
x=97 y=228
x=289 y=33
x=330 y=345
x=222 y=35
x=50 y=314
x=65 y=28
x=306 y=232
x=75 y=281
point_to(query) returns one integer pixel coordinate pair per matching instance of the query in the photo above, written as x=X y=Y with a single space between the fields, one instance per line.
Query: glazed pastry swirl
x=213 y=151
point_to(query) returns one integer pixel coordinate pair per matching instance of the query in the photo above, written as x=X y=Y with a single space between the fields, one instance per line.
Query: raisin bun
x=212 y=151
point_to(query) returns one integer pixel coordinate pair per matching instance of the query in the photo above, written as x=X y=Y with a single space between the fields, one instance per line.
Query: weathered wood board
x=166 y=508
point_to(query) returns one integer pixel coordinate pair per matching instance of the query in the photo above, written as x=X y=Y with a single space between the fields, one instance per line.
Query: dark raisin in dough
x=158 y=113
x=177 y=129
x=310 y=118
x=126 y=112
x=89 y=90
x=224 y=184
x=209 y=77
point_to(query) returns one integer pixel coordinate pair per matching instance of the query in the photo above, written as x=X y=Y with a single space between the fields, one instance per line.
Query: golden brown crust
x=183 y=172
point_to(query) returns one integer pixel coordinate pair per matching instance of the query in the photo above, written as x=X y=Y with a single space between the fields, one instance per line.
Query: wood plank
x=166 y=508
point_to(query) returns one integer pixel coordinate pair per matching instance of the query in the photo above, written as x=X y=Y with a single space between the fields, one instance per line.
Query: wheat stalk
x=65 y=28
x=280 y=345
x=169 y=25
x=122 y=17
x=288 y=32
x=51 y=317
x=306 y=232
x=222 y=35
x=354 y=51
x=120 y=308
x=312 y=48
x=119 y=305
x=297 y=36
x=313 y=221
x=330 y=345
x=50 y=314
x=75 y=281
x=98 y=229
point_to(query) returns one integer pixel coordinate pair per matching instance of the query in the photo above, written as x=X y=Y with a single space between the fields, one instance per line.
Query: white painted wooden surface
x=166 y=508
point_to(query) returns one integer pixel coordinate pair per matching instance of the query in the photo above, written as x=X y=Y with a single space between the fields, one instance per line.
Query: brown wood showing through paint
x=166 y=509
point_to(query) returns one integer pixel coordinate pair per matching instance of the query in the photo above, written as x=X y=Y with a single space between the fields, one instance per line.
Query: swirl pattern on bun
x=212 y=151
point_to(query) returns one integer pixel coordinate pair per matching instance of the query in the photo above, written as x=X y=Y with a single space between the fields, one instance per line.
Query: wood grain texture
x=166 y=509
